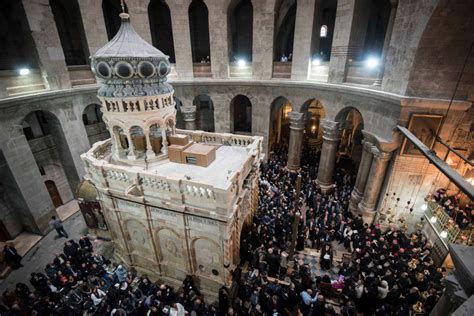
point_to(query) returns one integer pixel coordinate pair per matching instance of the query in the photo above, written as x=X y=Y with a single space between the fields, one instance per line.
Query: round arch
x=240 y=24
x=204 y=113
x=285 y=18
x=352 y=124
x=315 y=112
x=279 y=129
x=161 y=29
x=199 y=30
x=241 y=114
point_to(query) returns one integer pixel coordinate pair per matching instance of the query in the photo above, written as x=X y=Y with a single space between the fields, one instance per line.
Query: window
x=324 y=31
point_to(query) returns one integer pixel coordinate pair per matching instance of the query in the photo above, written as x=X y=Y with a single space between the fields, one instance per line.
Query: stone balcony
x=209 y=191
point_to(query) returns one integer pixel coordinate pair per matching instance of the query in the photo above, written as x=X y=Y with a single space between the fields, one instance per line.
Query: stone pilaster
x=302 y=44
x=374 y=183
x=349 y=36
x=189 y=117
x=331 y=138
x=47 y=43
x=94 y=24
x=296 y=140
x=182 y=38
x=138 y=10
x=218 y=39
x=32 y=201
x=362 y=175
x=263 y=28
x=386 y=43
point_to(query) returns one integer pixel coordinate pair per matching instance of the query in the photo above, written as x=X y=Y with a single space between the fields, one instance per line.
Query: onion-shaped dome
x=128 y=66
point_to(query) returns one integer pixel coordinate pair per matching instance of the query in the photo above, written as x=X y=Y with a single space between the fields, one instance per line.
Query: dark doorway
x=4 y=235
x=160 y=26
x=199 y=29
x=285 y=19
x=111 y=10
x=53 y=193
x=17 y=43
x=241 y=112
x=71 y=31
x=241 y=30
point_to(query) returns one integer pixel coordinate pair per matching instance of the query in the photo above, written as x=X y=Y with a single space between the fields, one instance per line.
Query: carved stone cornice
x=331 y=130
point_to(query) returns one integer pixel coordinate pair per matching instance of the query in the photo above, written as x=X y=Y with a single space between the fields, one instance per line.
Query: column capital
x=331 y=130
x=296 y=120
x=381 y=155
x=367 y=144
x=189 y=113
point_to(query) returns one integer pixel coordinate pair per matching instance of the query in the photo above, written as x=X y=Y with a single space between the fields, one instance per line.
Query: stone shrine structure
x=166 y=219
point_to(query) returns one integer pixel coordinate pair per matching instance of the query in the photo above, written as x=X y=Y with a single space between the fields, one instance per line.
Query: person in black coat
x=12 y=258
x=85 y=243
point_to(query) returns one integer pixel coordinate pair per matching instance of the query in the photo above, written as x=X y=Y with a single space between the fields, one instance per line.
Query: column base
x=293 y=168
x=356 y=197
x=366 y=208
x=131 y=157
x=150 y=154
x=377 y=82
x=368 y=217
x=326 y=187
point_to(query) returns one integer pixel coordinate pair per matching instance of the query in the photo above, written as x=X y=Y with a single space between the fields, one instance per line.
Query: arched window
x=324 y=31
x=71 y=31
x=241 y=30
x=160 y=26
x=199 y=29
x=17 y=43
x=285 y=18
x=111 y=10
x=241 y=114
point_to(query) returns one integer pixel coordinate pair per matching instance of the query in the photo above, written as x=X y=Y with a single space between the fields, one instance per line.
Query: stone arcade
x=166 y=219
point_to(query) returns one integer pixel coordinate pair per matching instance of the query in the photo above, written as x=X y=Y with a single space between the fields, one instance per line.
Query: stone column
x=301 y=62
x=47 y=44
x=164 y=140
x=349 y=36
x=182 y=38
x=374 y=183
x=94 y=24
x=31 y=199
x=262 y=48
x=218 y=39
x=138 y=10
x=149 y=148
x=362 y=175
x=386 y=43
x=296 y=140
x=189 y=117
x=131 y=148
x=331 y=138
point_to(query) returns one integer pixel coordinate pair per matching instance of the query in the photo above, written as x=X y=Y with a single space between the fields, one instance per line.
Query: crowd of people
x=462 y=214
x=388 y=272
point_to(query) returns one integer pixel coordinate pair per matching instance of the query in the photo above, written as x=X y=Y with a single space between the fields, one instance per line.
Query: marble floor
x=67 y=210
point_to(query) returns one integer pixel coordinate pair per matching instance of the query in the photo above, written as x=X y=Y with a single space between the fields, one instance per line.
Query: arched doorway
x=17 y=43
x=87 y=196
x=199 y=29
x=204 y=113
x=241 y=114
x=53 y=193
x=240 y=30
x=95 y=127
x=111 y=10
x=71 y=31
x=323 y=32
x=279 y=131
x=44 y=134
x=285 y=17
x=314 y=114
x=160 y=26
x=376 y=27
x=350 y=146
